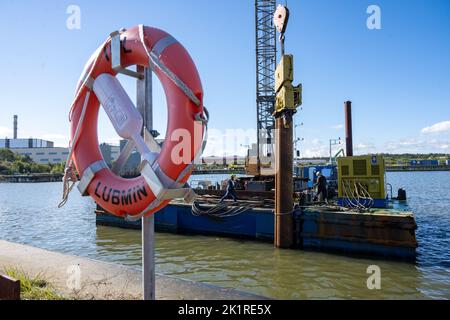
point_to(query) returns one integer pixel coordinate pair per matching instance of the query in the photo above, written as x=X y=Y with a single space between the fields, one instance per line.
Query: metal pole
x=331 y=160
x=348 y=129
x=295 y=141
x=145 y=107
x=284 y=224
x=15 y=127
x=148 y=257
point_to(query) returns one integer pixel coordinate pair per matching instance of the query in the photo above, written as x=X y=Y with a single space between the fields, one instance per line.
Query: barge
x=385 y=233
x=360 y=217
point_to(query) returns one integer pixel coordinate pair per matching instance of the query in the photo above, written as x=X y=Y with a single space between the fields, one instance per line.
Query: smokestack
x=15 y=126
x=348 y=129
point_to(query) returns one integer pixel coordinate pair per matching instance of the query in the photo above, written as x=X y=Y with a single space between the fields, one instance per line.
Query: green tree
x=7 y=155
x=5 y=169
x=39 y=168
x=19 y=166
x=27 y=159
x=58 y=168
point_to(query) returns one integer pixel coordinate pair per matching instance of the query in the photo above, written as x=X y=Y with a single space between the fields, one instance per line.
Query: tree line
x=12 y=163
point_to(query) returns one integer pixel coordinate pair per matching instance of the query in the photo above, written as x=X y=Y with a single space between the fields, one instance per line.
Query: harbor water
x=29 y=215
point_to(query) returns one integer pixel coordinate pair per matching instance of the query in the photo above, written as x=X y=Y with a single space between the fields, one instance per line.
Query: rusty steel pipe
x=348 y=129
x=284 y=201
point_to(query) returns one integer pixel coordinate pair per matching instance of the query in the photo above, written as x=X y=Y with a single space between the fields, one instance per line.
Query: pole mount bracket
x=116 y=62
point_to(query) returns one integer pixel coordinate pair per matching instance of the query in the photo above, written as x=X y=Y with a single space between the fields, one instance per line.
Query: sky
x=398 y=77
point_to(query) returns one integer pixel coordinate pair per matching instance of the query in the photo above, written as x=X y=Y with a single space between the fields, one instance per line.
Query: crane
x=266 y=60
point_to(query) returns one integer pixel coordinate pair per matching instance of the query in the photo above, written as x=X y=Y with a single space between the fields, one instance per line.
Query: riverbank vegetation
x=33 y=287
x=38 y=287
x=406 y=158
x=12 y=163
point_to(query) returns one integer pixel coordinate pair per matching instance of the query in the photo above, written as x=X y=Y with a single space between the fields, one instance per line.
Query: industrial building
x=44 y=155
x=111 y=152
x=39 y=150
x=25 y=143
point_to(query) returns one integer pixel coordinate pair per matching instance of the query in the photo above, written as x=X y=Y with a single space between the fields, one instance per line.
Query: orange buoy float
x=164 y=172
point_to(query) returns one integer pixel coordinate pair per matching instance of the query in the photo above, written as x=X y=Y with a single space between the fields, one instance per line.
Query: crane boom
x=266 y=55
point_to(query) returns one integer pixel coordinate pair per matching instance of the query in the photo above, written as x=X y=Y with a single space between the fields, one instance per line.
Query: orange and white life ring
x=163 y=176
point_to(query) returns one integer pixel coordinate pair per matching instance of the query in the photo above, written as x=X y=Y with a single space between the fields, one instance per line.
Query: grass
x=33 y=287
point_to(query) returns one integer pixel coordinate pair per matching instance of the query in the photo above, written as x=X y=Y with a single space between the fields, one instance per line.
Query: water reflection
x=28 y=214
x=259 y=268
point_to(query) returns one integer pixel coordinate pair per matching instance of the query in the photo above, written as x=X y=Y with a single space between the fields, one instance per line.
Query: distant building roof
x=25 y=143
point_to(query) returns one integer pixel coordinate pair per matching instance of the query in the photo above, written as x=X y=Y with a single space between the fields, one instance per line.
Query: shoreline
x=32 y=178
x=418 y=169
x=105 y=280
x=50 y=177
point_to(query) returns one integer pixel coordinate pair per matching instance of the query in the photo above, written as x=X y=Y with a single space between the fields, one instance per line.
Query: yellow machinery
x=288 y=97
x=361 y=181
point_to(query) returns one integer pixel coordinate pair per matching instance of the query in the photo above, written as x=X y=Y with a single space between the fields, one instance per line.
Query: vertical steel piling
x=284 y=157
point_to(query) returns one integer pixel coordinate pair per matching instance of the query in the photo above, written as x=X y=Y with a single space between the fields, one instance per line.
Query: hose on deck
x=220 y=210
x=354 y=197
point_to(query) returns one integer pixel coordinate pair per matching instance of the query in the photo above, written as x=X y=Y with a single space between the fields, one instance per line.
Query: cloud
x=60 y=140
x=404 y=144
x=440 y=127
x=229 y=142
x=313 y=148
x=338 y=127
x=315 y=142
x=5 y=132
x=54 y=136
x=365 y=147
x=415 y=145
x=111 y=140
x=314 y=152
